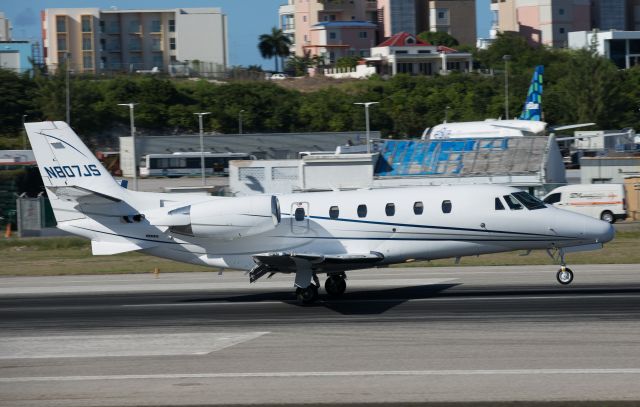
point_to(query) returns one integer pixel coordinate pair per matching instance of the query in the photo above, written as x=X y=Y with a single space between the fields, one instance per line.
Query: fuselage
x=401 y=224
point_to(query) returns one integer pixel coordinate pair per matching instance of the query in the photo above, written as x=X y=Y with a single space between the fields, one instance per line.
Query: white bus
x=185 y=164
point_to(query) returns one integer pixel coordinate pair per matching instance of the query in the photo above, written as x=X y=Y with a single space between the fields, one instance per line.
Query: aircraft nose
x=600 y=231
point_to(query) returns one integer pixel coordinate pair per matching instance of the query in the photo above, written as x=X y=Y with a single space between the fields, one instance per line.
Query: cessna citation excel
x=305 y=234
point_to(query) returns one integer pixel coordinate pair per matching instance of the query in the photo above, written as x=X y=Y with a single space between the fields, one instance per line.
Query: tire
x=307 y=295
x=335 y=286
x=565 y=276
x=607 y=216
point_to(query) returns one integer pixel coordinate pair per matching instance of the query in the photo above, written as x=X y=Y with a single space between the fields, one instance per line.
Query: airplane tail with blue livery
x=532 y=109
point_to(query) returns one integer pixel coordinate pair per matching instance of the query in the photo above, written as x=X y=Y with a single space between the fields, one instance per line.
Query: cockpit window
x=512 y=202
x=529 y=201
x=499 y=205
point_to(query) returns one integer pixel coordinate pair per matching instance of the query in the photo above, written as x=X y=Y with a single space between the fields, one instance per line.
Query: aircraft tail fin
x=532 y=109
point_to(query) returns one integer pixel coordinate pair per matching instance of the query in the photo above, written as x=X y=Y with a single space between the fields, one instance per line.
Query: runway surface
x=399 y=335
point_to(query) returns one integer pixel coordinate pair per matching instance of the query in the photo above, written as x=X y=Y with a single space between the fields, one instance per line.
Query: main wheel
x=335 y=286
x=307 y=295
x=607 y=216
x=565 y=276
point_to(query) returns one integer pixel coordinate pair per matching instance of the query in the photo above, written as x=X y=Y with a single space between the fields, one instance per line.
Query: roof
x=345 y=24
x=403 y=39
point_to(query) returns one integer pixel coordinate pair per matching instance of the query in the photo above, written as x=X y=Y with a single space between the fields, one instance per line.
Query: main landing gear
x=335 y=285
x=564 y=275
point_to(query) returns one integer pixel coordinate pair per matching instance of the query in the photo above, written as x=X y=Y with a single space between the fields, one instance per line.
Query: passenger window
x=512 y=202
x=299 y=214
x=446 y=206
x=499 y=205
x=418 y=207
x=390 y=209
x=334 y=212
x=362 y=211
x=553 y=198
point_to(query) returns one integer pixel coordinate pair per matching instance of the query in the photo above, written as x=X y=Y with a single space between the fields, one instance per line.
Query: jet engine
x=224 y=218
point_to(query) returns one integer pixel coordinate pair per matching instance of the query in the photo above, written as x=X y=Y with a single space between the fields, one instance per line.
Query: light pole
x=240 y=121
x=133 y=142
x=68 y=92
x=202 y=145
x=506 y=59
x=24 y=133
x=366 y=118
x=446 y=113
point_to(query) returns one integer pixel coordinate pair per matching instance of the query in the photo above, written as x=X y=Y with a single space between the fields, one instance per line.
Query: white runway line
x=366 y=373
x=89 y=346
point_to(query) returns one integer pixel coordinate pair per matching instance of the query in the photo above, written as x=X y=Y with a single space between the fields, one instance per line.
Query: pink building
x=336 y=39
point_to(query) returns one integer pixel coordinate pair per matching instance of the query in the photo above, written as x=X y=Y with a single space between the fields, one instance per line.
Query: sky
x=247 y=19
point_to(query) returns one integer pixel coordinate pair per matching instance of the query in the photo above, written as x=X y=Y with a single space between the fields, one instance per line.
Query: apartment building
x=548 y=22
x=97 y=40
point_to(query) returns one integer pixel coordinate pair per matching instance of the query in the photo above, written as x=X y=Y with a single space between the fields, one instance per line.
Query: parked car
x=603 y=201
x=278 y=77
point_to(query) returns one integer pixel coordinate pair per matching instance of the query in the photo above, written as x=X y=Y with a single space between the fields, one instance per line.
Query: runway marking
x=88 y=346
x=366 y=373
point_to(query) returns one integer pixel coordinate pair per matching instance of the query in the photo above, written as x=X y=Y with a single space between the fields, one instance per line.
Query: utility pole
x=506 y=59
x=366 y=118
x=240 y=121
x=204 y=181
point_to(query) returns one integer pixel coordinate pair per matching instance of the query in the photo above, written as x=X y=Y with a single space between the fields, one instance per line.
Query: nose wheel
x=565 y=275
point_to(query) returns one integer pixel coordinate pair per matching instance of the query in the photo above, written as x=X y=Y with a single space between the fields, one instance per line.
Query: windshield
x=529 y=201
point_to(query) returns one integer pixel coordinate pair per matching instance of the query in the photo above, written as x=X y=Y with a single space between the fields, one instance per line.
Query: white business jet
x=304 y=233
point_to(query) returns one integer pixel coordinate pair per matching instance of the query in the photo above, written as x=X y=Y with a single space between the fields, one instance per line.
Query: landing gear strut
x=336 y=285
x=564 y=275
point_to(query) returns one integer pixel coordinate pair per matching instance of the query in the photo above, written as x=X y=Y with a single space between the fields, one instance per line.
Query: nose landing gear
x=564 y=275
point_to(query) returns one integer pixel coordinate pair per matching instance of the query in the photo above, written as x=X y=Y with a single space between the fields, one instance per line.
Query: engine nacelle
x=230 y=218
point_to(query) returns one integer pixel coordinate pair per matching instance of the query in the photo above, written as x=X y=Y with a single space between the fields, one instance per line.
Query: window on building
x=135 y=44
x=156 y=44
x=134 y=26
x=332 y=17
x=362 y=211
x=102 y=26
x=86 y=42
x=156 y=26
x=172 y=43
x=86 y=24
x=332 y=36
x=425 y=68
x=172 y=26
x=365 y=53
x=157 y=60
x=334 y=212
x=401 y=52
x=446 y=206
x=299 y=214
x=498 y=205
x=87 y=61
x=304 y=18
x=561 y=30
x=561 y=11
x=61 y=24
x=362 y=34
x=418 y=207
x=62 y=42
x=390 y=209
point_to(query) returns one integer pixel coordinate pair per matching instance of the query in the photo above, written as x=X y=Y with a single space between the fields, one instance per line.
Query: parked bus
x=184 y=164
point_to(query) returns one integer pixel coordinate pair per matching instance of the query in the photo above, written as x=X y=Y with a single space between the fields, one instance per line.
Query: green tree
x=14 y=99
x=438 y=38
x=274 y=45
x=347 y=62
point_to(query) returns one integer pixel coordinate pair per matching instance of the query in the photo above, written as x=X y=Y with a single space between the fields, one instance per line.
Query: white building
x=129 y=40
x=622 y=47
x=5 y=28
x=405 y=53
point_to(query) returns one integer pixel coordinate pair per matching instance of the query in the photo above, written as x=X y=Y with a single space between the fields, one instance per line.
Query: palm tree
x=274 y=45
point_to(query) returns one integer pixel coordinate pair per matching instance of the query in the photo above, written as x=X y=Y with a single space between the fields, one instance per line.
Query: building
x=621 y=47
x=299 y=17
x=97 y=40
x=5 y=28
x=548 y=22
x=405 y=53
x=336 y=39
x=15 y=56
x=455 y=17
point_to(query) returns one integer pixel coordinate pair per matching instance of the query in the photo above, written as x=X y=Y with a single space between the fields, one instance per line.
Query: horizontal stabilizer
x=100 y=248
x=82 y=195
